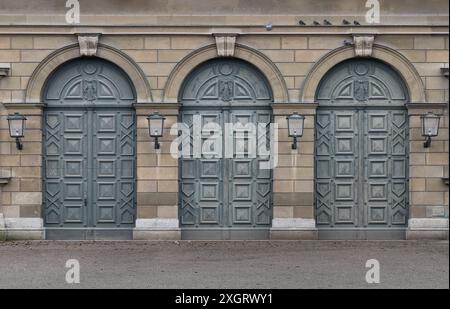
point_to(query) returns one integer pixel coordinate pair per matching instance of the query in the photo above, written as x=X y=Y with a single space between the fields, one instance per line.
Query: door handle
x=85 y=201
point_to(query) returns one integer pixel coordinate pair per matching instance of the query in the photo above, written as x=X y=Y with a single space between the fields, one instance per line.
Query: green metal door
x=361 y=153
x=89 y=152
x=224 y=194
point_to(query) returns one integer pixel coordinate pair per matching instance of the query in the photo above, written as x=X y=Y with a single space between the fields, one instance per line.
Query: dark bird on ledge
x=357 y=23
x=327 y=22
x=316 y=23
x=301 y=23
x=346 y=22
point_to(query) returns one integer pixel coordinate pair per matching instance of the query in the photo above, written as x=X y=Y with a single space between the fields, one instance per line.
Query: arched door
x=361 y=152
x=89 y=137
x=224 y=192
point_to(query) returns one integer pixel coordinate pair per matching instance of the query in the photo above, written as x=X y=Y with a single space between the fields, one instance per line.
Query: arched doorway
x=224 y=194
x=89 y=137
x=361 y=152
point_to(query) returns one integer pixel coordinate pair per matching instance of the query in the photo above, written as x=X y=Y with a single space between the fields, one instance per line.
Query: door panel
x=89 y=178
x=66 y=169
x=90 y=138
x=361 y=168
x=221 y=191
x=226 y=197
x=114 y=168
x=361 y=152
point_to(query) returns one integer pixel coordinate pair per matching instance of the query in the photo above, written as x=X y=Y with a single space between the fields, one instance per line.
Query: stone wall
x=293 y=55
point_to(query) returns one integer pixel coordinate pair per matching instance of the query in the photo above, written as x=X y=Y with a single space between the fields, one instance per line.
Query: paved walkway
x=256 y=264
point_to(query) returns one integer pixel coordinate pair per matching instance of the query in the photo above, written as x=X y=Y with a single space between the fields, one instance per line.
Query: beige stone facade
x=159 y=50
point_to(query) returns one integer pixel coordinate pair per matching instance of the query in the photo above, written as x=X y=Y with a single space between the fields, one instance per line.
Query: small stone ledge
x=157 y=229
x=4 y=69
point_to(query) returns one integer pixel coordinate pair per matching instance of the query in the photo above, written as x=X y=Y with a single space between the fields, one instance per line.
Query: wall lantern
x=430 y=127
x=156 y=127
x=16 y=124
x=295 y=127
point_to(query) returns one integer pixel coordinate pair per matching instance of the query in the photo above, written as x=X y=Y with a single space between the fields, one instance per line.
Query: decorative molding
x=88 y=44
x=225 y=44
x=363 y=45
x=60 y=56
x=4 y=69
x=399 y=62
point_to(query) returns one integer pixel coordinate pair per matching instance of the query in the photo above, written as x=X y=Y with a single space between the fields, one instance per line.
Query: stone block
x=328 y=42
x=9 y=56
x=26 y=198
x=158 y=173
x=123 y=42
x=167 y=186
x=283 y=186
x=309 y=55
x=294 y=42
x=53 y=41
x=429 y=42
x=157 y=42
x=427 y=198
x=172 y=55
x=280 y=55
x=417 y=184
x=30 y=160
x=396 y=41
x=34 y=55
x=260 y=42
x=304 y=212
x=283 y=212
x=147 y=212
x=293 y=199
x=190 y=42
x=30 y=185
x=146 y=186
x=167 y=212
x=292 y=69
x=21 y=42
x=438 y=56
x=142 y=55
x=304 y=186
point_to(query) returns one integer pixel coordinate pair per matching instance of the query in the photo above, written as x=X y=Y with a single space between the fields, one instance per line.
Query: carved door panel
x=361 y=168
x=113 y=168
x=385 y=170
x=89 y=178
x=361 y=152
x=220 y=190
x=249 y=183
x=201 y=186
x=65 y=168
x=226 y=197
x=89 y=135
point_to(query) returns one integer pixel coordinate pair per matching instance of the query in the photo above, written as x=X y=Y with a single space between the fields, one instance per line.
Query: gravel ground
x=225 y=264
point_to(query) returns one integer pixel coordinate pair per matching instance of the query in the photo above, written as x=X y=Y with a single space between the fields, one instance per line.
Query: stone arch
x=40 y=75
x=191 y=61
x=391 y=57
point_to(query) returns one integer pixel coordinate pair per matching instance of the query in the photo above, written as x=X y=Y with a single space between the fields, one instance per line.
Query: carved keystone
x=225 y=44
x=363 y=45
x=88 y=44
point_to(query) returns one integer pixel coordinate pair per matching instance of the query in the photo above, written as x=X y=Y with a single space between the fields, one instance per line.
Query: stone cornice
x=211 y=30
